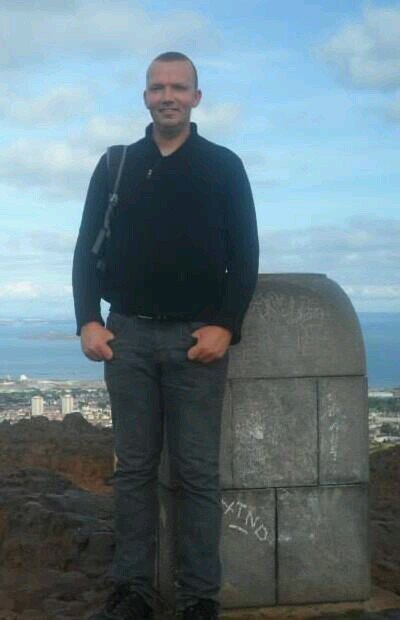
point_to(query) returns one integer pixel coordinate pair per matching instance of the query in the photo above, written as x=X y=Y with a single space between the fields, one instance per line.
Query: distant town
x=384 y=416
x=24 y=398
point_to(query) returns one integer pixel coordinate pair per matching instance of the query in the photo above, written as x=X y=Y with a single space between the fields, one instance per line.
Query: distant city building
x=37 y=405
x=387 y=439
x=67 y=404
x=380 y=393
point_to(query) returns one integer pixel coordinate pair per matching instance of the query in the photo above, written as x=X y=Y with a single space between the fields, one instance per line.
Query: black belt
x=163 y=317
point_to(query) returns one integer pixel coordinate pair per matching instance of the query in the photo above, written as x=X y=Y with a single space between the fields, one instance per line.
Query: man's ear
x=144 y=99
x=198 y=97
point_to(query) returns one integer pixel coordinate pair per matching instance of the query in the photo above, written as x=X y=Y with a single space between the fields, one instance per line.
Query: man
x=181 y=268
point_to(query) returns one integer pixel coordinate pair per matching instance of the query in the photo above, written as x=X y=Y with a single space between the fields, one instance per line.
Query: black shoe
x=123 y=603
x=204 y=609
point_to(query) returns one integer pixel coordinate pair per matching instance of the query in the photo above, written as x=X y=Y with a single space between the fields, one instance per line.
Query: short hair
x=171 y=56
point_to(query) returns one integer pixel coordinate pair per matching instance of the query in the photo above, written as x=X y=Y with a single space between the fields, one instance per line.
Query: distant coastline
x=48 y=336
x=29 y=383
x=46 y=349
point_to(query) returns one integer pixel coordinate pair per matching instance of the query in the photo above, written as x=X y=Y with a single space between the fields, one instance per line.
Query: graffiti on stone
x=334 y=415
x=243 y=519
x=300 y=317
x=295 y=310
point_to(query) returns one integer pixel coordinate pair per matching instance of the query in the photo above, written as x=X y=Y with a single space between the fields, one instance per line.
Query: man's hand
x=94 y=338
x=212 y=343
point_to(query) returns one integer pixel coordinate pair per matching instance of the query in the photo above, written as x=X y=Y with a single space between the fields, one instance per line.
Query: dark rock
x=385 y=517
x=55 y=546
x=82 y=452
x=75 y=422
x=57 y=538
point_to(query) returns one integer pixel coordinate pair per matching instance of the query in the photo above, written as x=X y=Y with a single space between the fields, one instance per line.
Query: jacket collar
x=193 y=131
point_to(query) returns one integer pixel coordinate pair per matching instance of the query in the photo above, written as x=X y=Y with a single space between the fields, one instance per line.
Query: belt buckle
x=157 y=317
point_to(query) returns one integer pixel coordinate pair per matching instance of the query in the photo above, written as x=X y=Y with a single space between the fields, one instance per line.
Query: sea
x=49 y=349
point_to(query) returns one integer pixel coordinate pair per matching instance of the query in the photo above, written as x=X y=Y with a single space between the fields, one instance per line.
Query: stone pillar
x=294 y=453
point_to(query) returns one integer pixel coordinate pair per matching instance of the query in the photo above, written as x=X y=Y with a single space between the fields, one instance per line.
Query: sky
x=307 y=93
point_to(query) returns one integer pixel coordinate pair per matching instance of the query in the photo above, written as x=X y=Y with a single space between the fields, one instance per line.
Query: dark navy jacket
x=183 y=237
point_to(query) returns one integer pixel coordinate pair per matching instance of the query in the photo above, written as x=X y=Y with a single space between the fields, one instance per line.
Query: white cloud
x=42 y=6
x=362 y=252
x=362 y=256
x=393 y=110
x=112 y=28
x=61 y=168
x=248 y=58
x=30 y=290
x=57 y=167
x=367 y=54
x=371 y=292
x=57 y=105
x=19 y=290
x=217 y=119
x=36 y=255
x=52 y=242
x=102 y=131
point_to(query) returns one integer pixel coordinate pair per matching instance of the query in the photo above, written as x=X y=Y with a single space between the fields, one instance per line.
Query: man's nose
x=168 y=94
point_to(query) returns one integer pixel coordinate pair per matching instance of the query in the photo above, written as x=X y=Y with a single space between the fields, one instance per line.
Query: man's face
x=171 y=94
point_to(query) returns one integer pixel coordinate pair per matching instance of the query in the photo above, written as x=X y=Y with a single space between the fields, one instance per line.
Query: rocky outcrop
x=385 y=517
x=73 y=447
x=56 y=525
x=56 y=541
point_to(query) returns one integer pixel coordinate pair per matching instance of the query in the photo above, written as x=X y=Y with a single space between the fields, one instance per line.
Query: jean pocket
x=190 y=327
x=117 y=323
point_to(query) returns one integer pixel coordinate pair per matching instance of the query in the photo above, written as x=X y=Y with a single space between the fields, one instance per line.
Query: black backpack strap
x=115 y=158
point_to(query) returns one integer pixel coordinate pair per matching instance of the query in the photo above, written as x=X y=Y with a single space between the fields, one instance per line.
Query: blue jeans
x=151 y=383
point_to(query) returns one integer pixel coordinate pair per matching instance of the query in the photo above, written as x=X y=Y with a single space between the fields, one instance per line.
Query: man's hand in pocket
x=212 y=343
x=94 y=339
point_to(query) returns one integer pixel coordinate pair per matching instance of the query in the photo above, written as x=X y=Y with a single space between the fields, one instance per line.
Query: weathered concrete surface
x=272 y=435
x=343 y=430
x=274 y=432
x=226 y=451
x=298 y=325
x=247 y=547
x=323 y=544
x=383 y=604
x=295 y=417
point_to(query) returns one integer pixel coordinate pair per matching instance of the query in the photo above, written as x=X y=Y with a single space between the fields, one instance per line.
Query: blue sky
x=307 y=93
